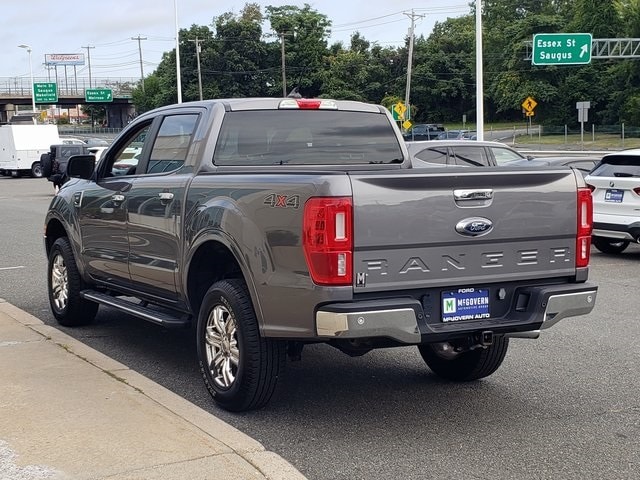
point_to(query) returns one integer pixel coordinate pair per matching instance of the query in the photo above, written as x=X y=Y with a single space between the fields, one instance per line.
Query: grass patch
x=600 y=141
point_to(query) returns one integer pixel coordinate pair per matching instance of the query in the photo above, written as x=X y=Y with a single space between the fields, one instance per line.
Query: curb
x=270 y=464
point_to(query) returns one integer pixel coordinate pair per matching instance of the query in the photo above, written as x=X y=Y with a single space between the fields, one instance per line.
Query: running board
x=154 y=316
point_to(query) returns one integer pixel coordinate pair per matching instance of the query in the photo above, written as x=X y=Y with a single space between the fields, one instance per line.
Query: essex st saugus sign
x=561 y=49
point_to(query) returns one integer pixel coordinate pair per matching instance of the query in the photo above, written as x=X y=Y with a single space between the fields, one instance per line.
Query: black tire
x=36 y=170
x=46 y=164
x=64 y=286
x=240 y=368
x=464 y=366
x=610 y=245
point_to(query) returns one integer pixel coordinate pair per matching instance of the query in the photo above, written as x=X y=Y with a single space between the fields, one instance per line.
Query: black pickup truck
x=270 y=224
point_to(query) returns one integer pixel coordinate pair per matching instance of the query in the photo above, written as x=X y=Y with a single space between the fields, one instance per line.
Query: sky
x=69 y=26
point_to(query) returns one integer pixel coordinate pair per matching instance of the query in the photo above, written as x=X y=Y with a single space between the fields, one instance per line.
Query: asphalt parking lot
x=566 y=406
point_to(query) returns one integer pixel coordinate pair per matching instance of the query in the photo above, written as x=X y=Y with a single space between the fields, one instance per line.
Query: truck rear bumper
x=406 y=321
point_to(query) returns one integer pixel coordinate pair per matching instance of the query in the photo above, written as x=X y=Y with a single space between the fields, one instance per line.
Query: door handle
x=117 y=198
x=476 y=194
x=165 y=197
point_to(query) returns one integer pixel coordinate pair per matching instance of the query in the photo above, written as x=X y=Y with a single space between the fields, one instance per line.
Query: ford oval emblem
x=474 y=226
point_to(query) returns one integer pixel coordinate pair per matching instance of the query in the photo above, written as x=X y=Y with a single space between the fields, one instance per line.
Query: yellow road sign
x=400 y=108
x=529 y=104
x=407 y=124
x=530 y=114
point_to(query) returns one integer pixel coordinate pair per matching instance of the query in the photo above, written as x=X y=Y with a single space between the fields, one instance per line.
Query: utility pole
x=413 y=16
x=139 y=39
x=89 y=47
x=284 y=75
x=197 y=42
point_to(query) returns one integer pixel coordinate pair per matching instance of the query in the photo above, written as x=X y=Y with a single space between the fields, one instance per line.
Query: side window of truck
x=171 y=145
x=125 y=160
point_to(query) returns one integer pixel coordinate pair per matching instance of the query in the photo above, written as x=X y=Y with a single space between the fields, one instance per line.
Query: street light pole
x=178 y=77
x=33 y=92
x=479 y=74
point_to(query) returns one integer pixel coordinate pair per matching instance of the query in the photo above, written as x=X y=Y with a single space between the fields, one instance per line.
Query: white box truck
x=21 y=147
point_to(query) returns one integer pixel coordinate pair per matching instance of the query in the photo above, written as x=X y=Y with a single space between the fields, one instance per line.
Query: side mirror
x=81 y=166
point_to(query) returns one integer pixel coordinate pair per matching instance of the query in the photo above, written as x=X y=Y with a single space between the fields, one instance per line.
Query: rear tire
x=65 y=285
x=610 y=245
x=240 y=368
x=464 y=366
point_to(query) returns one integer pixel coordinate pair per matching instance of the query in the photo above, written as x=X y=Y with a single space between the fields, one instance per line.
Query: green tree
x=443 y=80
x=305 y=32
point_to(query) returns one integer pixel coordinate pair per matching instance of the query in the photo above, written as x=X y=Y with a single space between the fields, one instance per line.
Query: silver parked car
x=462 y=153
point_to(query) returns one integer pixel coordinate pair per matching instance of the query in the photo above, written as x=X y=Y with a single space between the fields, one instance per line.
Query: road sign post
x=529 y=105
x=398 y=110
x=561 y=49
x=45 y=92
x=98 y=95
x=583 y=117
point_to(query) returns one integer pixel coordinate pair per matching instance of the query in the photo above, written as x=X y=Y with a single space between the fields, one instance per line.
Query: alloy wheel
x=223 y=355
x=59 y=283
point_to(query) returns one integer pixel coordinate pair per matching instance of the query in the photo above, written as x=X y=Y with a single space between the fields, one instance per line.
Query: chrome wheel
x=223 y=355
x=59 y=283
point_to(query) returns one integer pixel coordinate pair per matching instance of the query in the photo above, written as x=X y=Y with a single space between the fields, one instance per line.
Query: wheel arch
x=211 y=260
x=54 y=229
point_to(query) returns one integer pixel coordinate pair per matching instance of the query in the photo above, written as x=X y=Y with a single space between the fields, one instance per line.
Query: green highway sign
x=561 y=49
x=45 y=92
x=98 y=95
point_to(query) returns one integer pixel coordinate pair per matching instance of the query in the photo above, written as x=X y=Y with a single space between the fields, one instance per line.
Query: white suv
x=615 y=183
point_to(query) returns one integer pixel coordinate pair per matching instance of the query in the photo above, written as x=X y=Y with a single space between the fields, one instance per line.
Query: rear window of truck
x=306 y=137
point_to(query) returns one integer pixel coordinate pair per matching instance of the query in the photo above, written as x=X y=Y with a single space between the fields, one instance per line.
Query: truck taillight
x=585 y=226
x=328 y=239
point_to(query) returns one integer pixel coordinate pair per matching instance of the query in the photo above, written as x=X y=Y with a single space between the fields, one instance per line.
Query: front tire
x=239 y=367
x=64 y=286
x=610 y=245
x=464 y=366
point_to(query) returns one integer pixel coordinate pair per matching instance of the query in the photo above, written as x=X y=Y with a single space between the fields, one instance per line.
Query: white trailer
x=21 y=147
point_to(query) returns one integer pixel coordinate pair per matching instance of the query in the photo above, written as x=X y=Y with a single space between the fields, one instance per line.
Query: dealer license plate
x=613 y=195
x=465 y=304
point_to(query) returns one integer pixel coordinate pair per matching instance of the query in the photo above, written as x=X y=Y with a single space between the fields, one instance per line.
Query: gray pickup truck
x=268 y=224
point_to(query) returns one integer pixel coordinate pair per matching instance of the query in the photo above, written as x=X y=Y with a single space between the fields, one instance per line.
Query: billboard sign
x=64 y=59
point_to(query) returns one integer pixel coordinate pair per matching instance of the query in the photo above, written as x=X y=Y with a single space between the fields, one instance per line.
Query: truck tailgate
x=419 y=228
